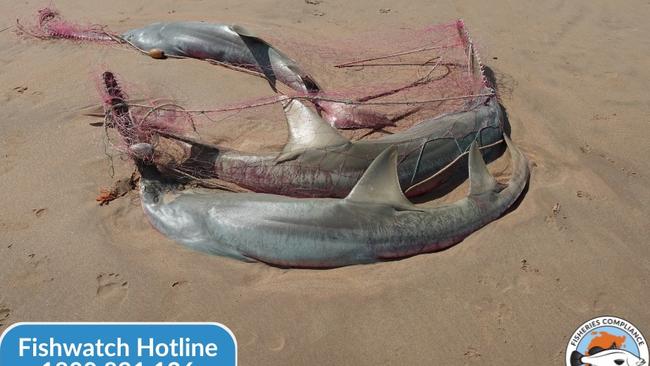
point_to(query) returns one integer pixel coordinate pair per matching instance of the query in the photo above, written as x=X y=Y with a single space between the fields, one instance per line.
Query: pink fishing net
x=407 y=75
x=50 y=25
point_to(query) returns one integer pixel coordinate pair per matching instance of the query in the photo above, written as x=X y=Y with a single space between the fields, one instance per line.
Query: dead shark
x=236 y=46
x=231 y=44
x=317 y=161
x=374 y=222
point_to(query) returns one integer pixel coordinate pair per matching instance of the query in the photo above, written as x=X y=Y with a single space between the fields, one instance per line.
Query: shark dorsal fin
x=380 y=183
x=480 y=179
x=307 y=130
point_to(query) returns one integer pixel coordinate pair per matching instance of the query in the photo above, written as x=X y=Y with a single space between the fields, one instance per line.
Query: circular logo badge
x=607 y=341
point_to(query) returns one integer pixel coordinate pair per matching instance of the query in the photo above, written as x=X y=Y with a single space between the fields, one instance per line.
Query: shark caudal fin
x=380 y=183
x=576 y=358
x=307 y=130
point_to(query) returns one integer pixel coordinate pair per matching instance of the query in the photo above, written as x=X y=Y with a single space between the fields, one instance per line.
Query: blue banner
x=118 y=344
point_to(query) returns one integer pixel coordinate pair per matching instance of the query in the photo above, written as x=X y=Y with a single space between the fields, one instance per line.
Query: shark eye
x=619 y=362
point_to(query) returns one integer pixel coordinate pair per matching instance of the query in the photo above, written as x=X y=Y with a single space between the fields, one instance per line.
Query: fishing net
x=50 y=25
x=410 y=76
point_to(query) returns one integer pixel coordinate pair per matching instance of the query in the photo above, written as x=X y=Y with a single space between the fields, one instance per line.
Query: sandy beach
x=572 y=76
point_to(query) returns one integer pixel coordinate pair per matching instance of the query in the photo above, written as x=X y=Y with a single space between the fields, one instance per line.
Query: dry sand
x=574 y=79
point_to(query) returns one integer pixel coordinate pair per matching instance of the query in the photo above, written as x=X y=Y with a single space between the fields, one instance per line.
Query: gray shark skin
x=230 y=44
x=235 y=45
x=319 y=162
x=374 y=222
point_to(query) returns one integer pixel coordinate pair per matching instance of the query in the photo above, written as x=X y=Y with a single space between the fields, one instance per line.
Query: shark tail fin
x=576 y=358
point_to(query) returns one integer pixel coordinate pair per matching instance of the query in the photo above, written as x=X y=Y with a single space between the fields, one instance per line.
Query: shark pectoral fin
x=259 y=49
x=307 y=130
x=380 y=183
x=480 y=179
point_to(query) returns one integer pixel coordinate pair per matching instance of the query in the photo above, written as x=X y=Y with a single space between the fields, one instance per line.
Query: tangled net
x=436 y=71
x=50 y=25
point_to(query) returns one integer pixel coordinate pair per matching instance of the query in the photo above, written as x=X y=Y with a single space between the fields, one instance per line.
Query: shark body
x=236 y=46
x=319 y=162
x=374 y=222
